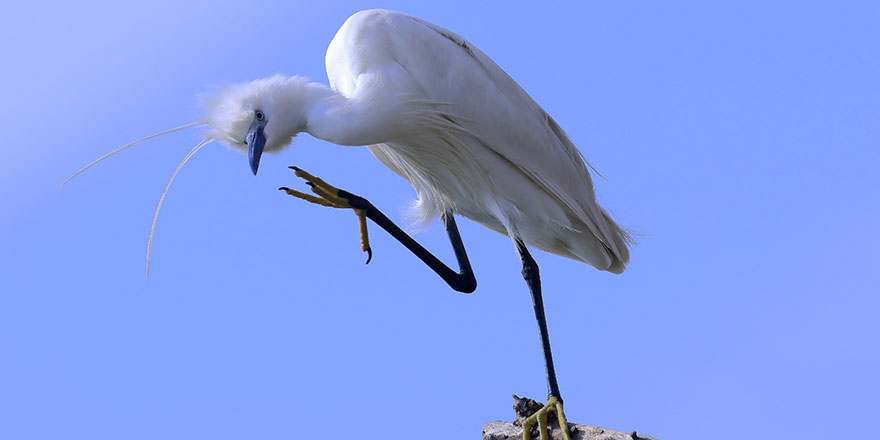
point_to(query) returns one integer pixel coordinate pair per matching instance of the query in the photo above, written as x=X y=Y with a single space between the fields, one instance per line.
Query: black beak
x=256 y=140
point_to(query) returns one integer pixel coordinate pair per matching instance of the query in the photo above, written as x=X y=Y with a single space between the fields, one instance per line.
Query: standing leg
x=554 y=399
x=533 y=279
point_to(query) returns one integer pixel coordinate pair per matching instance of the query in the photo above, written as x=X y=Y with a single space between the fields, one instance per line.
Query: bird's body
x=482 y=147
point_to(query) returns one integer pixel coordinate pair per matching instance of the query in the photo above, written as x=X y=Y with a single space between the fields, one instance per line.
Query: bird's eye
x=259 y=115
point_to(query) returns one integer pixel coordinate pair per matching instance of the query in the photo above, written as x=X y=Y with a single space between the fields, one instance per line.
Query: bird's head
x=257 y=116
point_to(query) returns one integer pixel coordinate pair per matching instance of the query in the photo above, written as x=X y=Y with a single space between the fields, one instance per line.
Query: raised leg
x=554 y=399
x=328 y=195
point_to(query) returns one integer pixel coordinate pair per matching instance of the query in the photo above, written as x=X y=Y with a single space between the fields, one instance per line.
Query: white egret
x=441 y=114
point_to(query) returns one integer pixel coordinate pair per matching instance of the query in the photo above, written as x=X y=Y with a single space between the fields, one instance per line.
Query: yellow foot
x=553 y=405
x=333 y=197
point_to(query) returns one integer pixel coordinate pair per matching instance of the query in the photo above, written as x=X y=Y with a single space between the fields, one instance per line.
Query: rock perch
x=524 y=407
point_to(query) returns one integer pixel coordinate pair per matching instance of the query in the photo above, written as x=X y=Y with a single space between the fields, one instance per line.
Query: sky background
x=739 y=140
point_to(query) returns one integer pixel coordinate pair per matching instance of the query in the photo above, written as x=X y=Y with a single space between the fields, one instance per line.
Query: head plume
x=229 y=113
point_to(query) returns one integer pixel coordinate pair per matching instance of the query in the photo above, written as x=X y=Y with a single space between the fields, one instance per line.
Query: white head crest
x=230 y=111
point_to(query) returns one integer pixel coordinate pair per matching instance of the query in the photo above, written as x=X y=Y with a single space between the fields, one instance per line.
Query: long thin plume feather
x=171 y=130
x=164 y=193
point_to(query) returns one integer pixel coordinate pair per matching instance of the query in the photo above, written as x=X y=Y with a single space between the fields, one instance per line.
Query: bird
x=441 y=114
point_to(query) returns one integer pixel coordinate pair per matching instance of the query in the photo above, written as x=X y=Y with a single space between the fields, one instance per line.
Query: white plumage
x=490 y=153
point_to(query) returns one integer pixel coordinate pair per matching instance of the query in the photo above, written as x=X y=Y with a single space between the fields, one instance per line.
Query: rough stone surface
x=524 y=407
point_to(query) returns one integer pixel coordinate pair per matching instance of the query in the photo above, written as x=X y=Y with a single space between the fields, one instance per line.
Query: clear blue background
x=740 y=141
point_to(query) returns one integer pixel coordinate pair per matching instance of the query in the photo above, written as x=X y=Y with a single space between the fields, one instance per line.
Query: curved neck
x=363 y=119
x=345 y=121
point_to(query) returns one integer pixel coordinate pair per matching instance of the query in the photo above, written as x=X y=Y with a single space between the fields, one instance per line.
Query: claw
x=310 y=198
x=330 y=196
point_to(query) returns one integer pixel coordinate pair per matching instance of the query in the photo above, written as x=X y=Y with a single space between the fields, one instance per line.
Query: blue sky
x=740 y=141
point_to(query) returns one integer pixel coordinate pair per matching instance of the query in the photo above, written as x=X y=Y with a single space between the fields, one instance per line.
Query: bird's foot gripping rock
x=333 y=197
x=539 y=417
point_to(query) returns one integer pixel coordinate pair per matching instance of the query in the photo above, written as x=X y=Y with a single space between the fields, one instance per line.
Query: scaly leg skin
x=540 y=417
x=332 y=197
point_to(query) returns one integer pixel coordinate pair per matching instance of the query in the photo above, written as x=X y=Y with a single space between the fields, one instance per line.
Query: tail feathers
x=619 y=254
x=609 y=252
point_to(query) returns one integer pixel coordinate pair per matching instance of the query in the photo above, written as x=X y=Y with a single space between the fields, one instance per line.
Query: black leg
x=533 y=279
x=462 y=281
